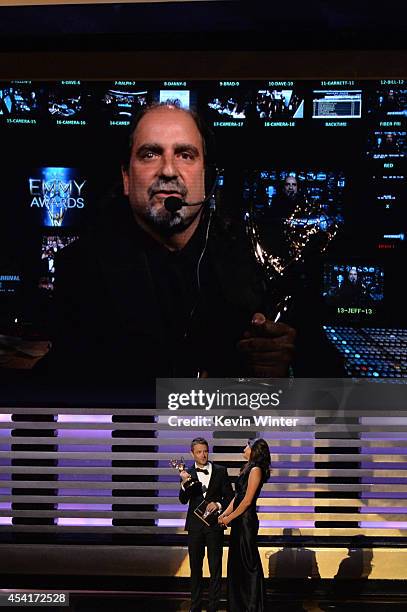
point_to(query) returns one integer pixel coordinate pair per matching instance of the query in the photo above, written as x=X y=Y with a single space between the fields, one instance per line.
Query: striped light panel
x=61 y=471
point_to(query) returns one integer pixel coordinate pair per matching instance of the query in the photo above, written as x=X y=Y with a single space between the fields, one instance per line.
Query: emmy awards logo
x=179 y=464
x=281 y=245
x=56 y=194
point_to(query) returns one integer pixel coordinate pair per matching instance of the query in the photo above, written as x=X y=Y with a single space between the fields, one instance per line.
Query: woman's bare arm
x=252 y=486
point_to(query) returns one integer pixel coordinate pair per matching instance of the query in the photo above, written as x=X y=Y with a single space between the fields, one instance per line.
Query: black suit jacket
x=219 y=490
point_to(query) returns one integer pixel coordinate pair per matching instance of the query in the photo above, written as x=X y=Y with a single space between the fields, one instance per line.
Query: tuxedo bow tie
x=203 y=471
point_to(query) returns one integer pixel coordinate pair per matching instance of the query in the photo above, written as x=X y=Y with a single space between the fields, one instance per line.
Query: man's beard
x=162 y=220
x=169 y=223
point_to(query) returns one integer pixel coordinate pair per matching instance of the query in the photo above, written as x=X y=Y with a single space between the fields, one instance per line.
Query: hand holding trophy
x=206 y=511
x=187 y=481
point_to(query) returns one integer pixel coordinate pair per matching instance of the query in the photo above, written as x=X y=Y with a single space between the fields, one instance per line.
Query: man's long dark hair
x=260 y=456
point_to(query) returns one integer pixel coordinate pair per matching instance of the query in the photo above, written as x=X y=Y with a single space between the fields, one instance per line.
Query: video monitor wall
x=56 y=196
x=51 y=245
x=342 y=142
x=337 y=104
x=354 y=292
x=323 y=190
x=279 y=103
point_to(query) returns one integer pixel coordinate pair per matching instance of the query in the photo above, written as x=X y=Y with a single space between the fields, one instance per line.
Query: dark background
x=227 y=25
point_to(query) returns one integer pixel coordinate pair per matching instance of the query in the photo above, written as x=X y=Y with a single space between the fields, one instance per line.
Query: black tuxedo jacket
x=219 y=490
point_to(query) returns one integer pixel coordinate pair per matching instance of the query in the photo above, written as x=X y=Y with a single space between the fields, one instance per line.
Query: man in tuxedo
x=211 y=484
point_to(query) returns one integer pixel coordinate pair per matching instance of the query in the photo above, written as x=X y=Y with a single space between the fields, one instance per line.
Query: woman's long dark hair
x=260 y=456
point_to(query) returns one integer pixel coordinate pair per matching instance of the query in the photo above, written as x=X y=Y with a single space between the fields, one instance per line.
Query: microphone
x=172 y=203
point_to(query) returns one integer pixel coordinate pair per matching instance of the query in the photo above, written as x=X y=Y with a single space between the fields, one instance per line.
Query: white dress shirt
x=204 y=478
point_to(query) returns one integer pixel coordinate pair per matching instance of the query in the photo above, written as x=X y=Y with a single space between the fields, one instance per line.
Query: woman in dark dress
x=245 y=572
